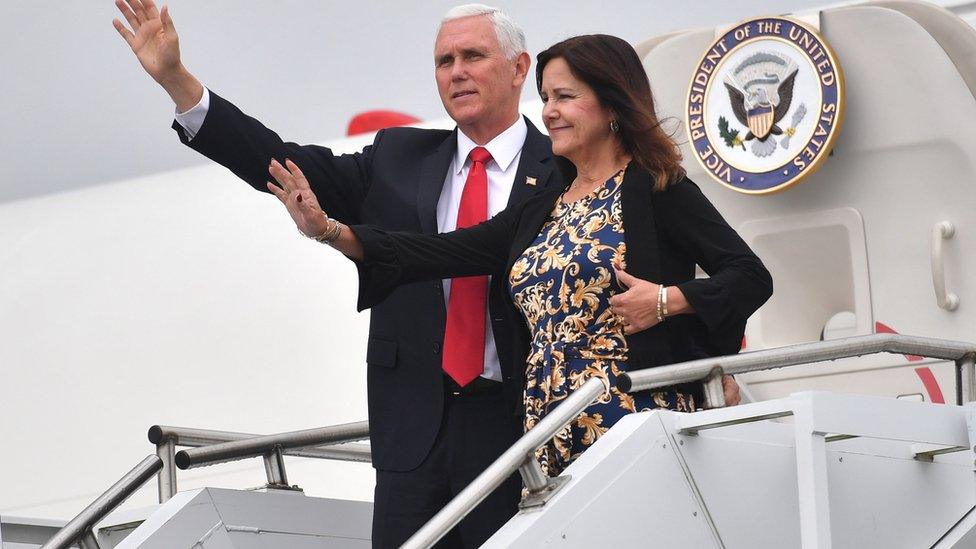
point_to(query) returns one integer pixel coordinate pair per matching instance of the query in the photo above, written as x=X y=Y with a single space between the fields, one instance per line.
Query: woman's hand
x=298 y=198
x=304 y=208
x=636 y=307
x=731 y=391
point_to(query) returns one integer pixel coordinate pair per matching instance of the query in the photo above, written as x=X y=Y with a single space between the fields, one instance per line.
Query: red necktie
x=464 y=335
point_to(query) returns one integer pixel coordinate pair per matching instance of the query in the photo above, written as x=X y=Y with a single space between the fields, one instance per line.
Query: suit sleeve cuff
x=192 y=120
x=714 y=308
x=379 y=269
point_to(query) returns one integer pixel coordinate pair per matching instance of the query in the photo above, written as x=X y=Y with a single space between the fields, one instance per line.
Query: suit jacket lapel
x=535 y=170
x=433 y=172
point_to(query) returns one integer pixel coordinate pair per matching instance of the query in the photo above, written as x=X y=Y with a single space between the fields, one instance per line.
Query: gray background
x=79 y=110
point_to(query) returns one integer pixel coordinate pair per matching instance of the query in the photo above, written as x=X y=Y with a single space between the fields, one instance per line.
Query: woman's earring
x=614 y=127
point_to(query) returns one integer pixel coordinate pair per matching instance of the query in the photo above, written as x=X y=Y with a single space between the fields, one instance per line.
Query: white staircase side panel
x=648 y=482
x=608 y=498
x=215 y=518
x=962 y=536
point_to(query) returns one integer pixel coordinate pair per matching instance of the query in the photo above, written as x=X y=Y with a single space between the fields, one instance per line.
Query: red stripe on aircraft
x=931 y=385
x=924 y=373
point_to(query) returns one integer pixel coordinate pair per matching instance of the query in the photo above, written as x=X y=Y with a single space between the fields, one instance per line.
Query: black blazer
x=393 y=184
x=667 y=234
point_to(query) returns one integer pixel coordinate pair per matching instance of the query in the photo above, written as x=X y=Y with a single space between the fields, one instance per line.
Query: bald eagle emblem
x=764 y=105
x=760 y=92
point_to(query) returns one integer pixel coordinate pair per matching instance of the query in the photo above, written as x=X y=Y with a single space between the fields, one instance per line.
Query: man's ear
x=522 y=64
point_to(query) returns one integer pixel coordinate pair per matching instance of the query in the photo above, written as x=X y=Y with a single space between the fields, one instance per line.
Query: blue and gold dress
x=563 y=283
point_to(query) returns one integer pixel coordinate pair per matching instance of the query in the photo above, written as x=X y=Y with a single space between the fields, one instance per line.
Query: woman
x=602 y=271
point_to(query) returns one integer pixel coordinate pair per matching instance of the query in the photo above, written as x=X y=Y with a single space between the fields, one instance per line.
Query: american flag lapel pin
x=530 y=181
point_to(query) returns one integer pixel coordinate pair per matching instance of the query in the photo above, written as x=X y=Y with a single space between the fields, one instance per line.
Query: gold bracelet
x=660 y=299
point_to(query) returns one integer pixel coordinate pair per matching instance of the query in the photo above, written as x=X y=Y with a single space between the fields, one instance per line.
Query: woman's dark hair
x=611 y=67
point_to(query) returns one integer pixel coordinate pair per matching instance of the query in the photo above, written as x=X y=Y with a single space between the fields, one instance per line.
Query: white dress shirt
x=505 y=149
x=192 y=120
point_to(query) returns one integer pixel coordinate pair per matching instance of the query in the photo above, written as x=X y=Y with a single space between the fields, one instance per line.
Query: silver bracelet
x=664 y=302
x=330 y=234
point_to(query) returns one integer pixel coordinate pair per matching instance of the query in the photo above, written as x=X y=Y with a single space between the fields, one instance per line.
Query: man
x=434 y=424
x=444 y=395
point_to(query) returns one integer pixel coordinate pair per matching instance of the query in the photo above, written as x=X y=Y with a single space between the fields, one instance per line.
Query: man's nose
x=458 y=71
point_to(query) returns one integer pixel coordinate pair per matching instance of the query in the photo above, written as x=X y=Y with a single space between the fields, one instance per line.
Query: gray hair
x=510 y=36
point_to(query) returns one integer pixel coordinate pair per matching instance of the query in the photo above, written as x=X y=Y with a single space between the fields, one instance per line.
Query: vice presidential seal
x=765 y=105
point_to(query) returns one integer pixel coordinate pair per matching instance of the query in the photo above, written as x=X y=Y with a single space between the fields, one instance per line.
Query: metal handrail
x=194 y=438
x=268 y=444
x=79 y=528
x=518 y=456
x=167 y=438
x=711 y=369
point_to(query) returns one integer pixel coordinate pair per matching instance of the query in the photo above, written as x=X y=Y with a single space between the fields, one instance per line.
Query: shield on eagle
x=761 y=119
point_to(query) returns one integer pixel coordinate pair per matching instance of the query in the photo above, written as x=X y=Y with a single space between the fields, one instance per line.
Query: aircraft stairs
x=812 y=470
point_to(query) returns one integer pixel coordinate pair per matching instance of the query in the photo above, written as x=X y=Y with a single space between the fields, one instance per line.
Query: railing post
x=274 y=466
x=88 y=541
x=540 y=486
x=966 y=379
x=713 y=389
x=532 y=476
x=166 y=451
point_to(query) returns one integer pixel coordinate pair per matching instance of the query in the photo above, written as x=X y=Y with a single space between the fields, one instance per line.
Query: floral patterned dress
x=562 y=283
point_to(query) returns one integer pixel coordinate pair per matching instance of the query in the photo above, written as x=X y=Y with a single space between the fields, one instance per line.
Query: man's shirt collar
x=504 y=148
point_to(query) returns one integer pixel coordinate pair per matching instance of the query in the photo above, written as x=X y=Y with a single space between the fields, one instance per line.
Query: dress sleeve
x=245 y=146
x=391 y=259
x=738 y=282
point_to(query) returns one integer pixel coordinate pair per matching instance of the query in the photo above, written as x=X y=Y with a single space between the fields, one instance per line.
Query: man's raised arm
x=212 y=126
x=154 y=41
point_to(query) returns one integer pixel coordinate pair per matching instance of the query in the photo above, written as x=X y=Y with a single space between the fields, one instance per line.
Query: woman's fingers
x=293 y=191
x=289 y=176
x=281 y=175
x=625 y=279
x=297 y=175
x=730 y=388
x=278 y=192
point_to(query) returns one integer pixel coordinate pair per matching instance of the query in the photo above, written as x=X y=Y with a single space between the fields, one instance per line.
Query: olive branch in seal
x=731 y=137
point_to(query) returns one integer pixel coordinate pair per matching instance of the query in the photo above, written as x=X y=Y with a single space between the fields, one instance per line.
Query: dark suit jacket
x=395 y=184
x=666 y=233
